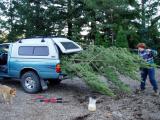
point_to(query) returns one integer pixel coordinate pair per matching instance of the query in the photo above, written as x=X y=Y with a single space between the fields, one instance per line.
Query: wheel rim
x=29 y=83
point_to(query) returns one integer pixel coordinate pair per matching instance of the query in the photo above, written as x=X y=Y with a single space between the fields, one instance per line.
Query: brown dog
x=8 y=93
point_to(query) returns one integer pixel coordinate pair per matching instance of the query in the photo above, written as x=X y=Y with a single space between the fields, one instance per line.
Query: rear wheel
x=30 y=82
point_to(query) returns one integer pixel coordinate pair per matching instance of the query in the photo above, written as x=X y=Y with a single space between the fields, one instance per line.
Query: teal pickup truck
x=33 y=61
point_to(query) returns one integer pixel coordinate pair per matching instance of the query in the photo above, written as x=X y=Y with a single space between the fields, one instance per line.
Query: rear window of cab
x=33 y=51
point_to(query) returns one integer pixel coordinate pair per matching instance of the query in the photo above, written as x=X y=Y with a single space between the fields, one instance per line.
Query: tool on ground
x=47 y=99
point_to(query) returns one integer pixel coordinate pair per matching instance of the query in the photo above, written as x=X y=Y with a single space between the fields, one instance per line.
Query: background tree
x=100 y=18
x=121 y=39
x=149 y=17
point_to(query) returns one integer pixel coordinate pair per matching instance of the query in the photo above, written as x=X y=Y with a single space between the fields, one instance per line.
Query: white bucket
x=92 y=104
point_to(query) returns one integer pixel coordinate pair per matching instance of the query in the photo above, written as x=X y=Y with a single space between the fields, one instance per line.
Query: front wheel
x=30 y=82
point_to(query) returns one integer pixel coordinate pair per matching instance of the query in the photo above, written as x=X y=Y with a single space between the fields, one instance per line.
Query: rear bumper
x=48 y=75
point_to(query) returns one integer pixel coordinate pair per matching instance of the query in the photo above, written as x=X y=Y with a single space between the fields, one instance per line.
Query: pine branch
x=108 y=62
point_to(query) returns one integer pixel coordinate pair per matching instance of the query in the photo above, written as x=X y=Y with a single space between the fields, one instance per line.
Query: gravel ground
x=143 y=106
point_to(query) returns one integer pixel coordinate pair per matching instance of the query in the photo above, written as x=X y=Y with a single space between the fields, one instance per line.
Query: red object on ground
x=45 y=99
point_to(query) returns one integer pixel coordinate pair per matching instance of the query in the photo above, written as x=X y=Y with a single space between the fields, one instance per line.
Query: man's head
x=141 y=46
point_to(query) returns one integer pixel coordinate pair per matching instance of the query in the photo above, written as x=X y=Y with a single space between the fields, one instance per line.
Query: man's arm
x=152 y=52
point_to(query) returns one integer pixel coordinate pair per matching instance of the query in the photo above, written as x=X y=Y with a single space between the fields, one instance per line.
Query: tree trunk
x=93 y=27
x=69 y=19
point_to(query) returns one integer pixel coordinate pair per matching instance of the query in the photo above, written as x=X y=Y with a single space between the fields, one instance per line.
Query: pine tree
x=121 y=40
x=108 y=62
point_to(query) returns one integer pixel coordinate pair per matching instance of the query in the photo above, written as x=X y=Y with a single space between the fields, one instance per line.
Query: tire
x=30 y=82
x=55 y=82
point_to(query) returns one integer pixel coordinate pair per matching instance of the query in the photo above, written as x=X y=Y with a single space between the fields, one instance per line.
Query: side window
x=69 y=45
x=26 y=50
x=33 y=51
x=41 y=51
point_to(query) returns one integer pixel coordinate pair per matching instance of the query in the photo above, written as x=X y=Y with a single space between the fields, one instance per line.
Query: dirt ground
x=75 y=93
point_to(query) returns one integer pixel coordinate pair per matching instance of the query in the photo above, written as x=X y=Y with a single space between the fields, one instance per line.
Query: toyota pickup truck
x=33 y=61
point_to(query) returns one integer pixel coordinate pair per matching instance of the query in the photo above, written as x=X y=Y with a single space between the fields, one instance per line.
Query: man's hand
x=148 y=50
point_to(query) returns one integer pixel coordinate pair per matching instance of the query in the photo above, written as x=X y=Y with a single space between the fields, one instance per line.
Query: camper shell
x=34 y=61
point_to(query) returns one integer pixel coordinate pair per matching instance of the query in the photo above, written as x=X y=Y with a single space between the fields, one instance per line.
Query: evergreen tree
x=102 y=18
x=108 y=62
x=149 y=17
x=121 y=39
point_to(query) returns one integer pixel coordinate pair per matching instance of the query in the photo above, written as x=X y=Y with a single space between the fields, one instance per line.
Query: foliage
x=102 y=18
x=149 y=17
x=108 y=62
x=121 y=40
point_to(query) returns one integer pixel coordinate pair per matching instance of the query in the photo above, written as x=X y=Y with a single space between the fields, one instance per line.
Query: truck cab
x=33 y=61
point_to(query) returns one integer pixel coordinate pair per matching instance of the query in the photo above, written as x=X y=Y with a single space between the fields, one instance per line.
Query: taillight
x=58 y=68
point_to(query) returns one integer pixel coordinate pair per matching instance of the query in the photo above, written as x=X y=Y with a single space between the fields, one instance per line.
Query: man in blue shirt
x=147 y=55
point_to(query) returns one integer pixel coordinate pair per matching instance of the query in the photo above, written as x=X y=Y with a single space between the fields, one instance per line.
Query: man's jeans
x=151 y=73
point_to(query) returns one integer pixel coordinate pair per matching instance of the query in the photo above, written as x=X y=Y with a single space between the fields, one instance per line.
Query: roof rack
x=20 y=40
x=38 y=37
x=42 y=36
x=48 y=36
